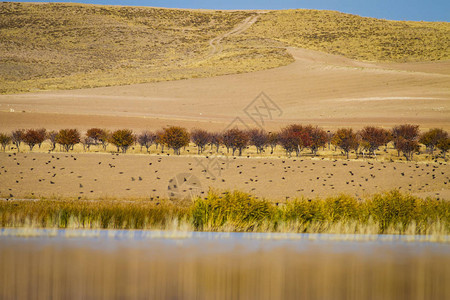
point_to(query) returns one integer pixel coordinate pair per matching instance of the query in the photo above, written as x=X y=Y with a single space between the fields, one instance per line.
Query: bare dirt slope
x=144 y=176
x=318 y=88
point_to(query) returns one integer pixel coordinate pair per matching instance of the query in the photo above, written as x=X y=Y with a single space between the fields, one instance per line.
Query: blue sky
x=416 y=10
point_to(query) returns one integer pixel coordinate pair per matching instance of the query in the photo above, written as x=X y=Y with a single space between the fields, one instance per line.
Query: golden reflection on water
x=37 y=268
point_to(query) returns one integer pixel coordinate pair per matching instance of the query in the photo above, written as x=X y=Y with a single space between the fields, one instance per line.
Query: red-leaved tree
x=34 y=137
x=294 y=138
x=372 y=138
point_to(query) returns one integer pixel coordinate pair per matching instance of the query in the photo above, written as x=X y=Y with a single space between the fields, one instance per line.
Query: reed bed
x=388 y=213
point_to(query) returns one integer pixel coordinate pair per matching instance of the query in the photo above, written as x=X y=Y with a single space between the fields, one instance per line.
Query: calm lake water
x=116 y=264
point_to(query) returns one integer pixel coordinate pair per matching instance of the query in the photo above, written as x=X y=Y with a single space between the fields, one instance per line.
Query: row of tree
x=293 y=138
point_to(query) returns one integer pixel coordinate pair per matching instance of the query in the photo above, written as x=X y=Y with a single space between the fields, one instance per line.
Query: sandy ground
x=317 y=88
x=94 y=175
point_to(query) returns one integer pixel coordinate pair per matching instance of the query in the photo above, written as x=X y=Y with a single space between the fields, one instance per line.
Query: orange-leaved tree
x=345 y=139
x=122 y=139
x=444 y=145
x=68 y=138
x=432 y=137
x=176 y=137
x=5 y=139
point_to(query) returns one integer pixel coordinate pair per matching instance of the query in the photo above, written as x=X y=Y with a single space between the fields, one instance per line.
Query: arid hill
x=68 y=46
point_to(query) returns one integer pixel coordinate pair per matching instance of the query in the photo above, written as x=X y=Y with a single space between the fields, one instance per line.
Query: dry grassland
x=69 y=46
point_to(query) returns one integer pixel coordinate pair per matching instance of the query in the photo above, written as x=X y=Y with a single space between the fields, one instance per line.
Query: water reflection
x=105 y=264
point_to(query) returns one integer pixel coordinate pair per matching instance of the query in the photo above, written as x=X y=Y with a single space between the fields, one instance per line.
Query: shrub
x=393 y=208
x=68 y=138
x=341 y=208
x=176 y=137
x=5 y=139
x=304 y=212
x=200 y=138
x=345 y=139
x=235 y=210
x=122 y=139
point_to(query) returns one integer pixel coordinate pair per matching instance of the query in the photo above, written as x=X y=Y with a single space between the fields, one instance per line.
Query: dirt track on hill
x=215 y=43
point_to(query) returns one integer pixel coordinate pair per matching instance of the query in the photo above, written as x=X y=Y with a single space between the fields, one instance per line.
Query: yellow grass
x=389 y=213
x=356 y=37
